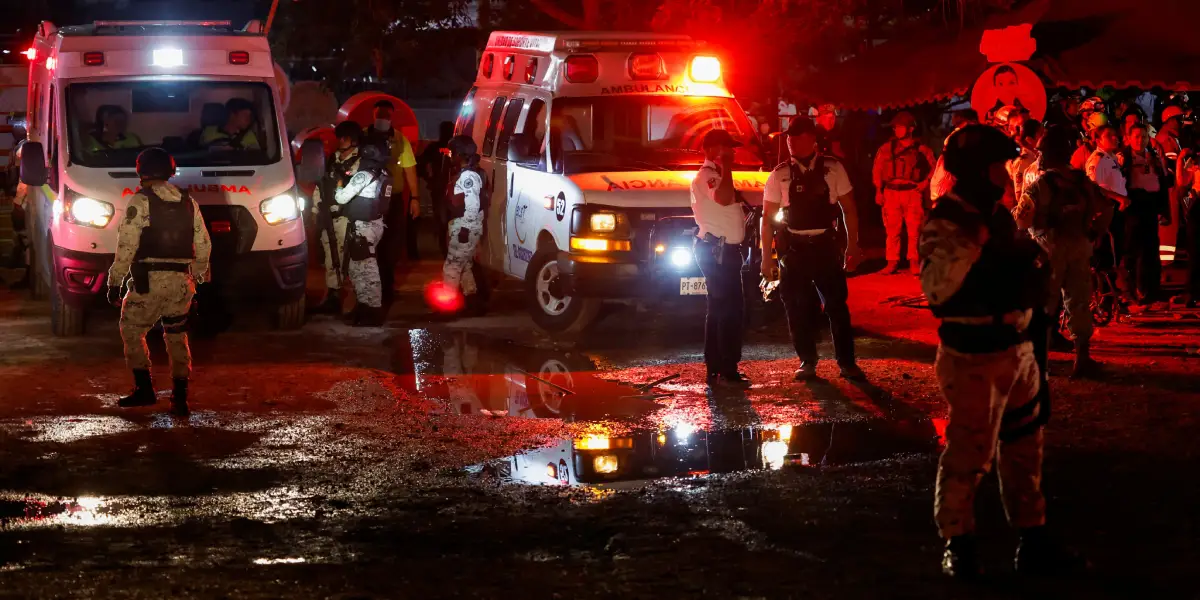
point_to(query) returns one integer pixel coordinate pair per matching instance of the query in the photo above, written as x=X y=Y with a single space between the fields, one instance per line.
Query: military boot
x=1085 y=367
x=179 y=394
x=1040 y=554
x=961 y=558
x=331 y=305
x=143 y=390
x=892 y=268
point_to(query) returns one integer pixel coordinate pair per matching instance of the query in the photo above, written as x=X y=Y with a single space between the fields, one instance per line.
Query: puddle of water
x=83 y=511
x=620 y=433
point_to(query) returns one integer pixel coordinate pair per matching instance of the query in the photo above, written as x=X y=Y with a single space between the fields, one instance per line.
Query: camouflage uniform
x=902 y=175
x=364 y=272
x=977 y=278
x=340 y=169
x=170 y=295
x=1063 y=209
x=457 y=270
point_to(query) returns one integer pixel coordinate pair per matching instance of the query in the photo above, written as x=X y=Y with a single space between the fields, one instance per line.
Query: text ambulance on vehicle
x=590 y=141
x=100 y=94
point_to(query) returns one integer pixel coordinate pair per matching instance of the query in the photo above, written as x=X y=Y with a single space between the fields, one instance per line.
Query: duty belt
x=1013 y=318
x=162 y=266
x=900 y=187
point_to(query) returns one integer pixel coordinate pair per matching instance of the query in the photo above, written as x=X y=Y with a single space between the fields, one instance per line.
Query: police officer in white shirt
x=811 y=190
x=722 y=221
x=1102 y=167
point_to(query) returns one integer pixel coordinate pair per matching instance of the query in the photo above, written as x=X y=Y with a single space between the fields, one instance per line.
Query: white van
x=590 y=141
x=169 y=83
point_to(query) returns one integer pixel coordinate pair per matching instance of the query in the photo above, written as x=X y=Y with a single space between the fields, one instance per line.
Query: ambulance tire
x=65 y=320
x=290 y=316
x=577 y=313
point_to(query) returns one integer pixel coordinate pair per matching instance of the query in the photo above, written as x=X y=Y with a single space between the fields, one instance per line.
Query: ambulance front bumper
x=620 y=277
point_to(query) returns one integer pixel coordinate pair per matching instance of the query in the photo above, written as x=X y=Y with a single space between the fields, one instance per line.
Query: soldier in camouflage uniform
x=1064 y=211
x=343 y=166
x=466 y=210
x=364 y=202
x=163 y=249
x=981 y=281
x=903 y=168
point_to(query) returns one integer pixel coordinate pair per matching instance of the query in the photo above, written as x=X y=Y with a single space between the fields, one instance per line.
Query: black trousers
x=816 y=262
x=1141 y=267
x=391 y=247
x=725 y=323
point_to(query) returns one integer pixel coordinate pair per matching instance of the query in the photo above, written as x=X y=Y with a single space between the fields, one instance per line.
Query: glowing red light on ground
x=443 y=298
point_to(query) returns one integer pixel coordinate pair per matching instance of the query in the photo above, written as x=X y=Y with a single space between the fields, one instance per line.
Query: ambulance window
x=51 y=131
x=508 y=128
x=489 y=137
x=465 y=123
x=535 y=122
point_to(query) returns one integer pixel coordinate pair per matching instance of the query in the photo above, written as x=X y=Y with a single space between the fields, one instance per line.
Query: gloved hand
x=114 y=295
x=463 y=235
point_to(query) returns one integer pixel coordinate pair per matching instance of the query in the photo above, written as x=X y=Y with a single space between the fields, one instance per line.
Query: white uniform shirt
x=1102 y=168
x=362 y=184
x=728 y=222
x=779 y=183
x=469 y=185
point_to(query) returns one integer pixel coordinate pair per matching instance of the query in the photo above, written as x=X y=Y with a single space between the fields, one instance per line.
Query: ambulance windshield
x=201 y=123
x=643 y=133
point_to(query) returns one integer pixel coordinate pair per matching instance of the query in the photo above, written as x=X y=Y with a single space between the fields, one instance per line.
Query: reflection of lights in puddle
x=278 y=561
x=69 y=429
x=84 y=511
x=683 y=433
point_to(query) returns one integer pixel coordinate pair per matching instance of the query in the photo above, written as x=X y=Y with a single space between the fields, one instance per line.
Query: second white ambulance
x=590 y=141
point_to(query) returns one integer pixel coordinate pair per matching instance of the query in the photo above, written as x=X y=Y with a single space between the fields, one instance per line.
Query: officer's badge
x=468 y=183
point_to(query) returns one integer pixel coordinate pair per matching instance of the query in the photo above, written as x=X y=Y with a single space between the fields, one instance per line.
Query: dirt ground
x=467 y=459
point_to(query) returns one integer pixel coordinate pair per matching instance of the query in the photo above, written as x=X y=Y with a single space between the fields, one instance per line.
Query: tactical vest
x=170 y=232
x=1070 y=212
x=809 y=204
x=370 y=208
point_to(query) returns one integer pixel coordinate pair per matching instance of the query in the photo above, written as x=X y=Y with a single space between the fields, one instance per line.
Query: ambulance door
x=501 y=210
x=526 y=189
x=492 y=245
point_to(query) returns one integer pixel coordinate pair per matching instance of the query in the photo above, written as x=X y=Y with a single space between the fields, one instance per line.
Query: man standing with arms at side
x=812 y=190
x=903 y=167
x=331 y=222
x=163 y=248
x=718 y=250
x=983 y=283
x=401 y=220
x=1064 y=212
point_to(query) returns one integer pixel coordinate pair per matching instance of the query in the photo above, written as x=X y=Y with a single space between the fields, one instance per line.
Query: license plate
x=692 y=286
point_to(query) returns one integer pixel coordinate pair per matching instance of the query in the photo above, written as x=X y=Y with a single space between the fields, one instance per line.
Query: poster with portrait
x=1009 y=84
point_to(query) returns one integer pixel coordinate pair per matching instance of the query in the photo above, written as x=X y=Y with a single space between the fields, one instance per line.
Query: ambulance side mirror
x=520 y=151
x=312 y=162
x=33 y=164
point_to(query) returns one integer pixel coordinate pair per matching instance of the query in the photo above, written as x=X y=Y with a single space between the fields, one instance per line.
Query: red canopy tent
x=1090 y=43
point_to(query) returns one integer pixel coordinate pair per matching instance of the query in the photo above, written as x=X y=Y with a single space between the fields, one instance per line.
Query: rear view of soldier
x=162 y=251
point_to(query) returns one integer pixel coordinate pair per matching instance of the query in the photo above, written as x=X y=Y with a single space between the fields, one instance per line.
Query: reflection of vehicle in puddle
x=684 y=451
x=612 y=443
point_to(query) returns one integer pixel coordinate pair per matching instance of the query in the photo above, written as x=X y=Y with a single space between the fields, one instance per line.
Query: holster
x=357 y=246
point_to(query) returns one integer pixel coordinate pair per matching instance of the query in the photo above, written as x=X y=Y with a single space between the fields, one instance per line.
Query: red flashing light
x=443 y=298
x=489 y=62
x=239 y=57
x=705 y=69
x=222 y=227
x=644 y=67
x=510 y=67
x=582 y=68
x=93 y=59
x=31 y=53
x=531 y=71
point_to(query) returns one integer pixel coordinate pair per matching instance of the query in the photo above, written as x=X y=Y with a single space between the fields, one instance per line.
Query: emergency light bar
x=681 y=44
x=583 y=68
x=537 y=43
x=646 y=66
x=705 y=69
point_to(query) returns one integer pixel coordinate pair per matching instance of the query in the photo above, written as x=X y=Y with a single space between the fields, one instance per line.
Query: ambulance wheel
x=291 y=315
x=65 y=320
x=551 y=309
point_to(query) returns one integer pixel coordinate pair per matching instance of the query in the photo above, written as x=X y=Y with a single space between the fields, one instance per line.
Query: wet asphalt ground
x=481 y=459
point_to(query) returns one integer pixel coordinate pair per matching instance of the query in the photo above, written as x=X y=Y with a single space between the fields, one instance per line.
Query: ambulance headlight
x=88 y=212
x=681 y=257
x=279 y=209
x=603 y=222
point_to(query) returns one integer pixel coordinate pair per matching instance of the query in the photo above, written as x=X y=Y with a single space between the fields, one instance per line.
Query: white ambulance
x=99 y=94
x=590 y=141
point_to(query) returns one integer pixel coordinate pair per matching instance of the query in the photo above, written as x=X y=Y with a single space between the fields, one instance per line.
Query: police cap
x=801 y=126
x=155 y=163
x=976 y=147
x=719 y=137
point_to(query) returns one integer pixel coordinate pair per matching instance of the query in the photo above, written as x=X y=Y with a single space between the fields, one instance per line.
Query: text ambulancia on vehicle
x=100 y=94
x=590 y=141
